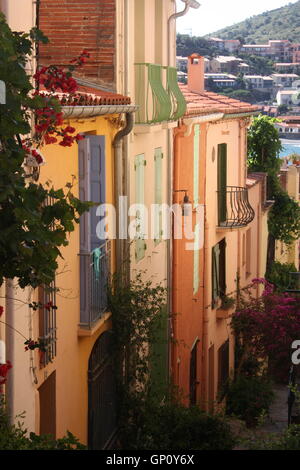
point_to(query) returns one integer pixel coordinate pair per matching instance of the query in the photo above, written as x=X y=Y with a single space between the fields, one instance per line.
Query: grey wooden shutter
x=91 y=153
x=84 y=191
x=84 y=195
x=97 y=184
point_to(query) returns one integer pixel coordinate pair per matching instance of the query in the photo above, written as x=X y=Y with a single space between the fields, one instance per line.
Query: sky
x=216 y=14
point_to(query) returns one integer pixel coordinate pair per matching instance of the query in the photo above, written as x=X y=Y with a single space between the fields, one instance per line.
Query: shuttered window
x=47 y=399
x=91 y=187
x=248 y=252
x=139 y=167
x=93 y=260
x=47 y=322
x=223 y=366
x=196 y=280
x=222 y=181
x=218 y=271
x=196 y=164
x=158 y=157
x=193 y=374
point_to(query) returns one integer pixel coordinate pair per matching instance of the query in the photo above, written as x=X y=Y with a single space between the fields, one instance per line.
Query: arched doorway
x=102 y=409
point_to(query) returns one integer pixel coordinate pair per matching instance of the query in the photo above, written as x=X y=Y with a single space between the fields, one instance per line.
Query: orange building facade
x=210 y=148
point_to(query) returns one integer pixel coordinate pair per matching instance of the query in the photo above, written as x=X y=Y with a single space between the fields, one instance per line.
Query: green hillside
x=282 y=23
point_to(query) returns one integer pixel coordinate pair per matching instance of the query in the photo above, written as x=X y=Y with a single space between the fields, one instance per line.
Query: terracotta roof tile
x=209 y=102
x=90 y=96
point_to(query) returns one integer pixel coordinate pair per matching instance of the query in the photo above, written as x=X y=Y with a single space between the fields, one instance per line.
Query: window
x=196 y=164
x=218 y=271
x=193 y=374
x=47 y=314
x=94 y=251
x=223 y=366
x=47 y=399
x=248 y=252
x=211 y=378
x=158 y=156
x=139 y=167
x=222 y=182
x=47 y=323
x=196 y=279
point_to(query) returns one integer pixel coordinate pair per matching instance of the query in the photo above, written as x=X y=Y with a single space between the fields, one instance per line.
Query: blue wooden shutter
x=139 y=166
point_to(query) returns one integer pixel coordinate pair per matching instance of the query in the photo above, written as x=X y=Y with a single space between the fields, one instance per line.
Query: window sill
x=84 y=331
x=223 y=314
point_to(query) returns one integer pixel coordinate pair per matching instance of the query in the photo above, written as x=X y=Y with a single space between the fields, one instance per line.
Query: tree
x=32 y=232
x=264 y=146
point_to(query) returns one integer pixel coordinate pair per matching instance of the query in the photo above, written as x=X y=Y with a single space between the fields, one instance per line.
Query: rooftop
x=209 y=102
x=291 y=75
x=229 y=58
x=89 y=96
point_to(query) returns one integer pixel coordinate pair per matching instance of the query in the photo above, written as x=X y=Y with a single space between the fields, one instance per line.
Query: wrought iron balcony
x=94 y=272
x=234 y=209
x=157 y=94
x=294 y=283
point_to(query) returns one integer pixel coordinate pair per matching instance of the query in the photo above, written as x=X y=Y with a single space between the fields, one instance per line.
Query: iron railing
x=294 y=283
x=234 y=209
x=157 y=94
x=47 y=323
x=94 y=272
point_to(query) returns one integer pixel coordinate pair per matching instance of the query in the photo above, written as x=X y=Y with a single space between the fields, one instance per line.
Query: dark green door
x=222 y=182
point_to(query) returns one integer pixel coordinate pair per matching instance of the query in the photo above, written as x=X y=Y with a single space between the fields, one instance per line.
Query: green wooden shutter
x=158 y=156
x=196 y=164
x=215 y=273
x=222 y=267
x=196 y=260
x=222 y=182
x=139 y=166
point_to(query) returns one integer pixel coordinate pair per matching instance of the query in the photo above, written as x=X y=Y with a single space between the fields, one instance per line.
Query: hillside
x=282 y=23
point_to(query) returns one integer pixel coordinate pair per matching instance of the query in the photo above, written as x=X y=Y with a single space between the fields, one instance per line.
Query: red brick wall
x=74 y=25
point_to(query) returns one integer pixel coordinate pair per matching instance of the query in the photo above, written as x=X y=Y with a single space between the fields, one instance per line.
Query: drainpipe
x=120 y=186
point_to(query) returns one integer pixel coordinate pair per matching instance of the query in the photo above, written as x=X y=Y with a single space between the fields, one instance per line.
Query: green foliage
x=283 y=109
x=278 y=275
x=175 y=427
x=140 y=350
x=187 y=45
x=14 y=437
x=244 y=95
x=31 y=231
x=248 y=397
x=288 y=440
x=282 y=23
x=149 y=416
x=264 y=145
x=259 y=65
x=284 y=219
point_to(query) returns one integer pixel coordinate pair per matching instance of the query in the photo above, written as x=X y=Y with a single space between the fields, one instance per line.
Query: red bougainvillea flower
x=1 y=311
x=4 y=368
